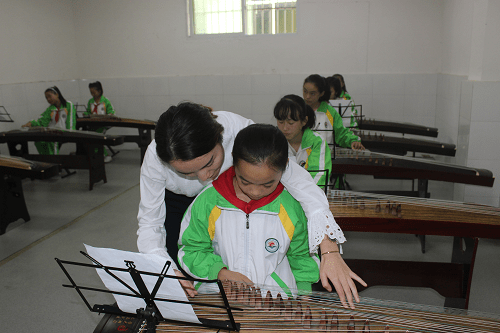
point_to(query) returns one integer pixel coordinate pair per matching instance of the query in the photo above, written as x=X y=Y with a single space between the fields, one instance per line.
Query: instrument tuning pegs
x=268 y=301
x=399 y=210
x=390 y=162
x=334 y=323
x=307 y=318
x=378 y=208
x=366 y=327
x=322 y=321
x=394 y=211
x=387 y=207
x=350 y=325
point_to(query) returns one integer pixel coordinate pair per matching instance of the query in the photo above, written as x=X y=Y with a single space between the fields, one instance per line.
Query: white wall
x=149 y=38
x=37 y=41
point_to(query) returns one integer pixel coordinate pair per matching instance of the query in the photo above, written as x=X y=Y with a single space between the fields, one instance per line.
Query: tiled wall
x=475 y=128
x=465 y=112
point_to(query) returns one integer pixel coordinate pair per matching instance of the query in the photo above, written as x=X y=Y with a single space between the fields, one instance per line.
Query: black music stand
x=5 y=116
x=150 y=314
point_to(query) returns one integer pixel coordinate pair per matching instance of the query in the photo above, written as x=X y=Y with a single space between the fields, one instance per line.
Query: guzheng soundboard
x=386 y=165
x=316 y=312
x=466 y=222
x=401 y=146
x=395 y=127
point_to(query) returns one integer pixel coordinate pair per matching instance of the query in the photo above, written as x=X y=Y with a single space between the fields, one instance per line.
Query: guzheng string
x=339 y=198
x=322 y=312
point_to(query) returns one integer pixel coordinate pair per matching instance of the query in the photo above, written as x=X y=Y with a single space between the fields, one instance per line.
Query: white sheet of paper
x=169 y=289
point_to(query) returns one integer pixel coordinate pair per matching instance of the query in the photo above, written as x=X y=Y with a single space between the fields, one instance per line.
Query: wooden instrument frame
x=143 y=139
x=12 y=171
x=395 y=127
x=413 y=216
x=90 y=153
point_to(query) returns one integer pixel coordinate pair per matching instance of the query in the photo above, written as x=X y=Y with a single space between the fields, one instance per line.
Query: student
x=60 y=114
x=336 y=93
x=192 y=147
x=344 y=94
x=245 y=226
x=316 y=95
x=99 y=105
x=295 y=119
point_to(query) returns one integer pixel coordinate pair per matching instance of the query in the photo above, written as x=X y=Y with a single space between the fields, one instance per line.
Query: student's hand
x=334 y=269
x=186 y=285
x=356 y=145
x=226 y=274
x=28 y=124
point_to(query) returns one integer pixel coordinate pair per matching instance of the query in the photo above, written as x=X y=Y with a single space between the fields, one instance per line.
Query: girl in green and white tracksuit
x=60 y=114
x=308 y=148
x=245 y=226
x=98 y=104
x=316 y=95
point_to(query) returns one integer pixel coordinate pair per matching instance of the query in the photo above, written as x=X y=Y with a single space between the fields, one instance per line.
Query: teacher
x=192 y=146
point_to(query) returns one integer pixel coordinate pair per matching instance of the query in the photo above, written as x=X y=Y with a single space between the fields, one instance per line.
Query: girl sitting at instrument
x=245 y=226
x=295 y=119
x=99 y=105
x=344 y=94
x=349 y=114
x=60 y=114
x=316 y=95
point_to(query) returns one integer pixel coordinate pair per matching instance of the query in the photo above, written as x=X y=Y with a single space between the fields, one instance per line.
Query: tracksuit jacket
x=103 y=107
x=64 y=118
x=314 y=154
x=266 y=239
x=327 y=118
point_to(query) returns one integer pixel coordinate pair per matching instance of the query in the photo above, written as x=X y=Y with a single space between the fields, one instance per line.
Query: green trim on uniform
x=282 y=284
x=344 y=137
x=319 y=155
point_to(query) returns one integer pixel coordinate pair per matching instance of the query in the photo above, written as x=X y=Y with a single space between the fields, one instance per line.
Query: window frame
x=244 y=13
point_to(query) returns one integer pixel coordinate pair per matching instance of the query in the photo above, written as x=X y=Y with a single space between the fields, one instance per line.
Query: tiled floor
x=65 y=215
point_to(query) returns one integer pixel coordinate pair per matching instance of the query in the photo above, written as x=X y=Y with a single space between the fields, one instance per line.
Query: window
x=253 y=17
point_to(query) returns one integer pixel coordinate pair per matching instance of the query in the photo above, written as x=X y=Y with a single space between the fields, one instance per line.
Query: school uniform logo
x=302 y=163
x=272 y=245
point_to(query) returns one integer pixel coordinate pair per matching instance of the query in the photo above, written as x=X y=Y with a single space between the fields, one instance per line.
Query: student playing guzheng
x=338 y=93
x=245 y=226
x=308 y=148
x=60 y=114
x=99 y=105
x=317 y=94
x=192 y=147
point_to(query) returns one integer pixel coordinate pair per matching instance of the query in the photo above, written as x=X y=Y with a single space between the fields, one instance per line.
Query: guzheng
x=143 y=139
x=357 y=211
x=466 y=222
x=316 y=312
x=59 y=135
x=23 y=168
x=401 y=146
x=91 y=157
x=347 y=161
x=12 y=171
x=395 y=127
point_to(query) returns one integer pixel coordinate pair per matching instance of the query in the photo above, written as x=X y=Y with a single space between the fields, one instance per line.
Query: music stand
x=150 y=314
x=3 y=119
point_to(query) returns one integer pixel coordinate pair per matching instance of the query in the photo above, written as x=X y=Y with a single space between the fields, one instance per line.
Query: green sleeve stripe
x=282 y=284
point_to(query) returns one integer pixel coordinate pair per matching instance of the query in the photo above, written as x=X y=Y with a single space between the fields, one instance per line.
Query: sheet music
x=170 y=288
